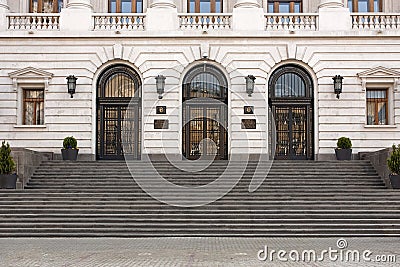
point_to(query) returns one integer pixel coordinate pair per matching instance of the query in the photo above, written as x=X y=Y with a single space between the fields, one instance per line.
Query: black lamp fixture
x=250 y=84
x=160 y=84
x=337 y=85
x=71 y=82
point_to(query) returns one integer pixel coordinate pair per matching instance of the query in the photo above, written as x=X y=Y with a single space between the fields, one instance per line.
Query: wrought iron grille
x=291 y=102
x=118 y=114
x=206 y=120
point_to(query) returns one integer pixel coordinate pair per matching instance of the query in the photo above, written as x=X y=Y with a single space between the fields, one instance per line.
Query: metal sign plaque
x=249 y=124
x=161 y=124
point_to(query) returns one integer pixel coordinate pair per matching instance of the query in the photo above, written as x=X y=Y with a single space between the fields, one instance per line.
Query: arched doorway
x=205 y=113
x=291 y=103
x=118 y=113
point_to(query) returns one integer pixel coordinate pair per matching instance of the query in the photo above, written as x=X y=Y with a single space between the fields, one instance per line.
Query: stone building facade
x=207 y=51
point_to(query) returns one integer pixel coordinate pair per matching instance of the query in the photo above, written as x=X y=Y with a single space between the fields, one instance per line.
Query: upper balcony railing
x=291 y=22
x=46 y=21
x=205 y=21
x=272 y=22
x=109 y=21
x=379 y=21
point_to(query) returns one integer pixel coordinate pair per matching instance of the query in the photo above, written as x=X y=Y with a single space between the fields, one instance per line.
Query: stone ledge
x=378 y=160
x=27 y=161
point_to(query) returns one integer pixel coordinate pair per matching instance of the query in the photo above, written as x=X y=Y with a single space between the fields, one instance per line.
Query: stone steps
x=297 y=198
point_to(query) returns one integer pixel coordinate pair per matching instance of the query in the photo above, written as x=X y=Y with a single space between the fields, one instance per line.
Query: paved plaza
x=207 y=251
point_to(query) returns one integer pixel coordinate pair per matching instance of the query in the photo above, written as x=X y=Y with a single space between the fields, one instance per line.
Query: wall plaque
x=161 y=124
x=248 y=109
x=248 y=124
x=161 y=110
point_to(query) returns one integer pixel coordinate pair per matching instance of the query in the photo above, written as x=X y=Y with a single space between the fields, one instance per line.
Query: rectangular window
x=33 y=107
x=125 y=6
x=377 y=107
x=46 y=6
x=285 y=6
x=365 y=5
x=204 y=6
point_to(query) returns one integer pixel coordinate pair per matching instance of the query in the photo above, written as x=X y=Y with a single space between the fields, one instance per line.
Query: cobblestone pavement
x=207 y=251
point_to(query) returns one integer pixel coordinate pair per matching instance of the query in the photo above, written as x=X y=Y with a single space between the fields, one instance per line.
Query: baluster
x=186 y=22
x=284 y=23
x=182 y=21
x=371 y=22
x=363 y=22
x=132 y=23
x=21 y=25
x=377 y=22
x=389 y=22
x=106 y=20
x=128 y=23
x=204 y=22
x=301 y=22
x=193 y=22
x=267 y=23
x=33 y=24
x=276 y=20
x=52 y=22
x=358 y=21
x=312 y=23
x=11 y=23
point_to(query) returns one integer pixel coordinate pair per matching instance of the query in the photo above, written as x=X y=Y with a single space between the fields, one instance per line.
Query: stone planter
x=8 y=181
x=69 y=154
x=395 y=181
x=343 y=154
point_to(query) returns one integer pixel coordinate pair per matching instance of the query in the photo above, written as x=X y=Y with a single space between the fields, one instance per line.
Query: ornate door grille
x=118 y=114
x=205 y=122
x=291 y=102
x=294 y=136
x=205 y=114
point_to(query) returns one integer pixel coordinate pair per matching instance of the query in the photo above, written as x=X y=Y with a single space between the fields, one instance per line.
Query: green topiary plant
x=344 y=143
x=393 y=161
x=70 y=142
x=7 y=164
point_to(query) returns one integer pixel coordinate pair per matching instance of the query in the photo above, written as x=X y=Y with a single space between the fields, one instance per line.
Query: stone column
x=4 y=10
x=162 y=15
x=333 y=16
x=248 y=16
x=77 y=16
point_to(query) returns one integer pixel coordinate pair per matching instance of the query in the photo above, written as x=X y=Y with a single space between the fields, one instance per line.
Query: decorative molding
x=118 y=49
x=30 y=75
x=380 y=75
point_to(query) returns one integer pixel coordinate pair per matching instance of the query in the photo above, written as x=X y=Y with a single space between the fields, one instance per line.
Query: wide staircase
x=298 y=198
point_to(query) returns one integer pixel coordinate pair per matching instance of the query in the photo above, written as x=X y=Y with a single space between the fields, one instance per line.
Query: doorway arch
x=205 y=112
x=118 y=111
x=291 y=100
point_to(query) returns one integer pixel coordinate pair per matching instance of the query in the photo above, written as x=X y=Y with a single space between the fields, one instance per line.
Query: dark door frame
x=306 y=100
x=222 y=131
x=120 y=102
x=205 y=81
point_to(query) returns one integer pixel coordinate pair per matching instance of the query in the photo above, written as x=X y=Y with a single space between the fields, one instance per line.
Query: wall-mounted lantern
x=160 y=84
x=250 y=84
x=71 y=82
x=337 y=85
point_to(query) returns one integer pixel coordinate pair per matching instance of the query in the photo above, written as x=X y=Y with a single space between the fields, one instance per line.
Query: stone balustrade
x=119 y=21
x=290 y=21
x=205 y=21
x=371 y=21
x=44 y=21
